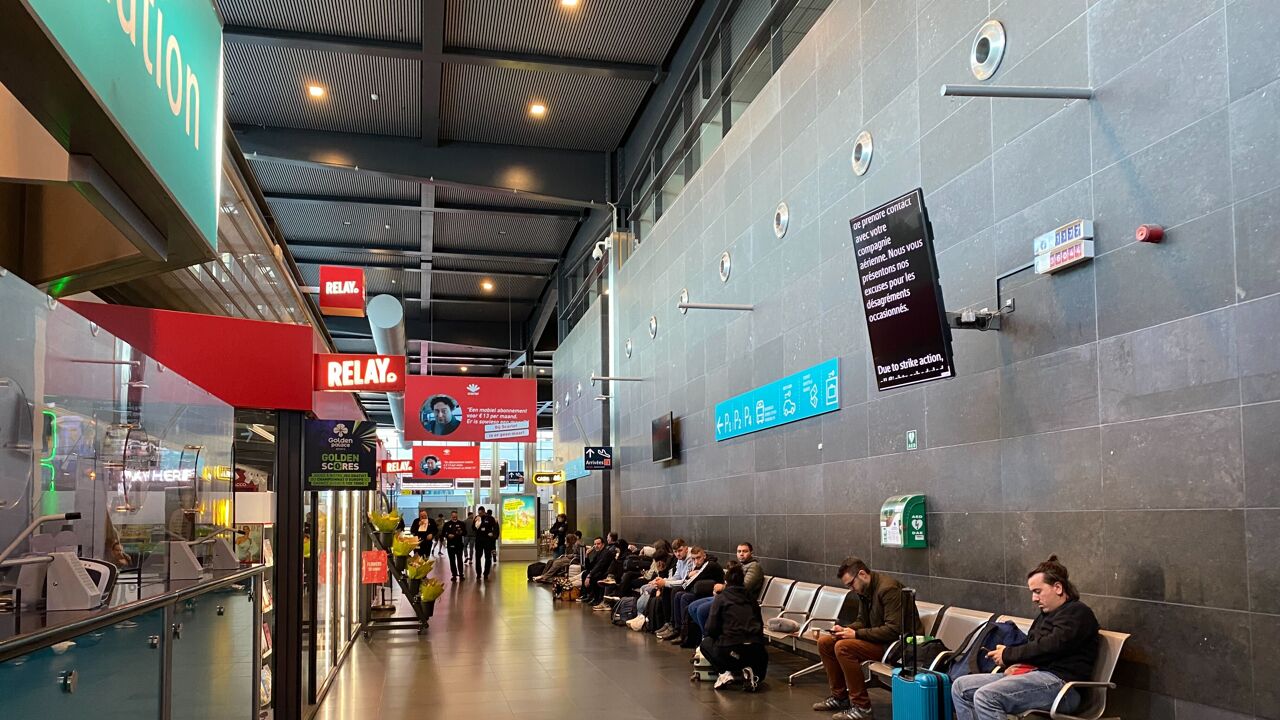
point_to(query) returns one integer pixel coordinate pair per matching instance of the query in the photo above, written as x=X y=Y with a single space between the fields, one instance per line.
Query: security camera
x=598 y=251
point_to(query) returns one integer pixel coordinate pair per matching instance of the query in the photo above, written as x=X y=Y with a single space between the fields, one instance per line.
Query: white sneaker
x=637 y=623
x=724 y=679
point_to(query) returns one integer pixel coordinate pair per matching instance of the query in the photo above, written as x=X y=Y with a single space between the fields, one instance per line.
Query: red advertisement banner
x=470 y=409
x=446 y=462
x=359 y=373
x=341 y=291
x=373 y=567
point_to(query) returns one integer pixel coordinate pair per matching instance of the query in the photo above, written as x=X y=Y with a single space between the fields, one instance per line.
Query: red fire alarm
x=1150 y=233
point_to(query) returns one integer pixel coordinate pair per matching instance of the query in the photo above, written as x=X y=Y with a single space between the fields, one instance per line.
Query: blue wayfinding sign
x=575 y=468
x=810 y=392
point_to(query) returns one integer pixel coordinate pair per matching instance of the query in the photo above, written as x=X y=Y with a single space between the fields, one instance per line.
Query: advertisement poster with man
x=446 y=462
x=470 y=409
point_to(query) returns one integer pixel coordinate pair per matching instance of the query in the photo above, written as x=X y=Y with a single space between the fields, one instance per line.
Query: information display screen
x=898 y=279
x=664 y=438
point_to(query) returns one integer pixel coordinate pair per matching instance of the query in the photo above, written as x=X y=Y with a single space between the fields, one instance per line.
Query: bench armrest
x=775 y=607
x=801 y=616
x=889 y=651
x=1081 y=684
x=813 y=621
x=941 y=660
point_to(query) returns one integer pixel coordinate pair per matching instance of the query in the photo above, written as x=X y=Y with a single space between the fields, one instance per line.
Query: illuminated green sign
x=155 y=66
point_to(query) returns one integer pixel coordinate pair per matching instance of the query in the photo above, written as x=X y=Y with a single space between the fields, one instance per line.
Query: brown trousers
x=842 y=659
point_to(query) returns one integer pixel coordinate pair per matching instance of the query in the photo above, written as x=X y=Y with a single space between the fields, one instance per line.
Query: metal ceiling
x=584 y=111
x=267 y=85
x=457 y=76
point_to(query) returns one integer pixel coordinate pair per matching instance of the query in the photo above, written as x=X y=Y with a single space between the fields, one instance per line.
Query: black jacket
x=559 y=530
x=422 y=531
x=603 y=560
x=487 y=533
x=735 y=618
x=1064 y=642
x=454 y=532
x=708 y=577
x=878 y=616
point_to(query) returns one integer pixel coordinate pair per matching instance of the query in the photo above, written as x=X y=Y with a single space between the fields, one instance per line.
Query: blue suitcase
x=918 y=694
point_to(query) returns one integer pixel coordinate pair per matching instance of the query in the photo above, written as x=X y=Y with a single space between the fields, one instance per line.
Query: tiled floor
x=505 y=649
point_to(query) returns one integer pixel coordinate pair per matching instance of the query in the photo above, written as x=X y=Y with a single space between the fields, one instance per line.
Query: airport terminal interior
x=640 y=359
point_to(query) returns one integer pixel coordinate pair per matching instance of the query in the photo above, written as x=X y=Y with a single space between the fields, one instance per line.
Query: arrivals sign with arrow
x=598 y=457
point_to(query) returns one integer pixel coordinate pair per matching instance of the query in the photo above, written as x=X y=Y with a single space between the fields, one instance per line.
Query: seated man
x=868 y=622
x=674 y=575
x=701 y=583
x=1061 y=647
x=594 y=552
x=735 y=641
x=593 y=585
x=754 y=574
x=560 y=565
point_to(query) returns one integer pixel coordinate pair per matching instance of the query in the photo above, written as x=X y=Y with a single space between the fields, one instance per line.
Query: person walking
x=440 y=526
x=469 y=540
x=454 y=533
x=425 y=529
x=486 y=541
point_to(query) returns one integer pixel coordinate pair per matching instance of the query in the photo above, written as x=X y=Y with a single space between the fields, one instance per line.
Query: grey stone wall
x=578 y=412
x=1125 y=419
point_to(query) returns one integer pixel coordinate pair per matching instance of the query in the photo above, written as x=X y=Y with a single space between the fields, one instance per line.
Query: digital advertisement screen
x=519 y=519
x=340 y=455
x=439 y=408
x=664 y=438
x=446 y=462
x=898 y=279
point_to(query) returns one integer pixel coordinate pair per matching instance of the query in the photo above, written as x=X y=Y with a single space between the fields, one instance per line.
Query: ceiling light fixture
x=463 y=368
x=569 y=3
x=537 y=109
x=487 y=285
x=316 y=91
x=346 y=223
x=373 y=97
x=386 y=227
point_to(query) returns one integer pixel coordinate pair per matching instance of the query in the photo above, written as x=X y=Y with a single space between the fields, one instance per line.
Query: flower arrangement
x=385 y=522
x=430 y=590
x=419 y=568
x=402 y=545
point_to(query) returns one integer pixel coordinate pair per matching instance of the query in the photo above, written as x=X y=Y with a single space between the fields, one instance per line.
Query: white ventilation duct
x=386 y=321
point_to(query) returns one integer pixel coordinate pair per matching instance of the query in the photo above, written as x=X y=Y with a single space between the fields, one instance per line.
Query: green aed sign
x=156 y=68
x=902 y=522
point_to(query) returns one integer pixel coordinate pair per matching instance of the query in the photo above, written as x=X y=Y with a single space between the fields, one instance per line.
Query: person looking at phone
x=1061 y=647
x=868 y=622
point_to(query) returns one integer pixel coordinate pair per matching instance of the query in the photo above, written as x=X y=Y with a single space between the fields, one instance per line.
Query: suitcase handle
x=909 y=631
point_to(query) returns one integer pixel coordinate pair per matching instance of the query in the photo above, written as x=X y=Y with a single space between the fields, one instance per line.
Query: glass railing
x=114 y=458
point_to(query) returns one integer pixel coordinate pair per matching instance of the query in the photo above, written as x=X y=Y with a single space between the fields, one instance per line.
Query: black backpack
x=623 y=611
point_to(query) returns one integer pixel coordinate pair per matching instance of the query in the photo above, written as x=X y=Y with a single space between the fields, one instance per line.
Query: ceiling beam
x=428 y=229
x=402 y=206
x=458 y=300
x=432 y=71
x=391 y=264
x=574 y=177
x=430 y=50
x=545 y=63
x=501 y=256
x=490 y=335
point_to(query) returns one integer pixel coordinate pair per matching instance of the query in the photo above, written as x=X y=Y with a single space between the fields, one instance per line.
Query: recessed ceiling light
x=537 y=109
x=316 y=91
x=487 y=285
x=463 y=368
x=502 y=232
x=386 y=227
x=569 y=3
x=542 y=370
x=347 y=223
x=373 y=97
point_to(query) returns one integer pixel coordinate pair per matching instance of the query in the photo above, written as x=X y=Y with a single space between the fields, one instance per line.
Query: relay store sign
x=470 y=409
x=364 y=373
x=440 y=462
x=340 y=455
x=156 y=68
x=397 y=467
x=341 y=291
x=810 y=392
x=898 y=276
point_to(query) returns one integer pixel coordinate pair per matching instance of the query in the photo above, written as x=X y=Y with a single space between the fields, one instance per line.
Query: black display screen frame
x=663 y=437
